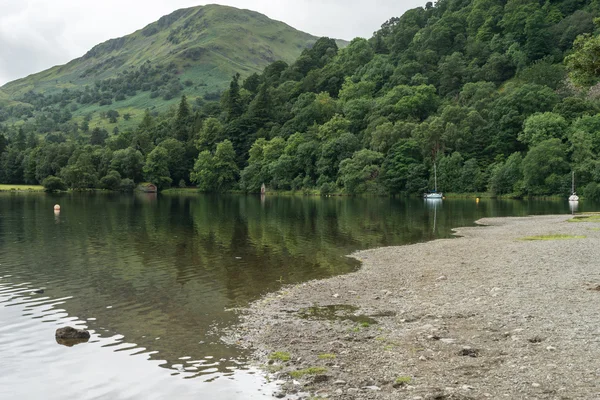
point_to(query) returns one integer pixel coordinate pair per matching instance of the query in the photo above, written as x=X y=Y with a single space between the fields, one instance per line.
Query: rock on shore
x=70 y=337
x=71 y=333
x=486 y=315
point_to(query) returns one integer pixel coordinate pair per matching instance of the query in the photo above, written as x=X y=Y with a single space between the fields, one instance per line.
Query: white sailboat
x=434 y=195
x=573 y=197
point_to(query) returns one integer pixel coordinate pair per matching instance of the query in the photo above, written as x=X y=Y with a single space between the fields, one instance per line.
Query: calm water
x=155 y=279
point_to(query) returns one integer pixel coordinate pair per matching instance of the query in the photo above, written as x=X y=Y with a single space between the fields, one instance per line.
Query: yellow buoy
x=477 y=200
x=57 y=207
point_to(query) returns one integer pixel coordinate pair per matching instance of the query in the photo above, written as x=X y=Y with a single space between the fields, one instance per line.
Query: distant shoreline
x=311 y=193
x=316 y=193
x=487 y=315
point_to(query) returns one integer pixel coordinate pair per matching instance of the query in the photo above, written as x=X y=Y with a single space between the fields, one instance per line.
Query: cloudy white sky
x=38 y=34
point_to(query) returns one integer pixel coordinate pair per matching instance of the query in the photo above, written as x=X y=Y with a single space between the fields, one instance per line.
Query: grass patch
x=327 y=356
x=308 y=371
x=336 y=312
x=21 y=188
x=402 y=380
x=586 y=218
x=553 y=237
x=280 y=356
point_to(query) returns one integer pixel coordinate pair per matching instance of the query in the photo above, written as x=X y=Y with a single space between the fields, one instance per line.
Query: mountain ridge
x=204 y=45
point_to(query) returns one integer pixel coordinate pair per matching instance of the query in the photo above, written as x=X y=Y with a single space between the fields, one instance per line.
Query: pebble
x=340 y=382
x=339 y=392
x=336 y=295
x=448 y=340
x=320 y=378
x=353 y=391
x=550 y=348
x=374 y=388
x=536 y=385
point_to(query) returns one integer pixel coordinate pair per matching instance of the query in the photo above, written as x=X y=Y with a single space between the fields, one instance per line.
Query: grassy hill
x=192 y=51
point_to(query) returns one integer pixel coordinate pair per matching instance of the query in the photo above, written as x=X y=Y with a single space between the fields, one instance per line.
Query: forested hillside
x=501 y=95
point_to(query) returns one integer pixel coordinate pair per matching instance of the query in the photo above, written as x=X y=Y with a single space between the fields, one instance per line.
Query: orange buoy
x=57 y=207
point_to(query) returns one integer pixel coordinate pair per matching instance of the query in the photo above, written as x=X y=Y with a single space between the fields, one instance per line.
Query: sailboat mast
x=435 y=177
x=573 y=183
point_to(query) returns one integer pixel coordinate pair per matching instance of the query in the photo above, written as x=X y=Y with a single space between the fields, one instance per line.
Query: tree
x=584 y=62
x=234 y=106
x=178 y=164
x=112 y=181
x=252 y=83
x=183 y=121
x=333 y=152
x=449 y=172
x=470 y=177
x=507 y=177
x=3 y=144
x=11 y=165
x=156 y=169
x=545 y=167
x=398 y=165
x=98 y=137
x=218 y=172
x=129 y=163
x=112 y=116
x=20 y=140
x=361 y=173
x=81 y=173
x=453 y=71
x=543 y=126
x=210 y=134
x=54 y=184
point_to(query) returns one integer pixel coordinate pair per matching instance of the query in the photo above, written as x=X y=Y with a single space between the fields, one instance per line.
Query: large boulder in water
x=69 y=333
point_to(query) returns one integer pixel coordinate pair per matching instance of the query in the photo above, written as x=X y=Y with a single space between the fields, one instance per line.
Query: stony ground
x=487 y=315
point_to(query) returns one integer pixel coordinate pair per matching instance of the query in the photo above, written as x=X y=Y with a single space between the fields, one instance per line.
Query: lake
x=157 y=279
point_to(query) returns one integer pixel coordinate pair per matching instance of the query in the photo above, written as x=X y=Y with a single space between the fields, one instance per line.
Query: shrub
x=54 y=184
x=592 y=192
x=112 y=181
x=327 y=188
x=127 y=185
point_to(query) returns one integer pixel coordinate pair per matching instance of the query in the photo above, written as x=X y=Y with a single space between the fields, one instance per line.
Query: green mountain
x=193 y=51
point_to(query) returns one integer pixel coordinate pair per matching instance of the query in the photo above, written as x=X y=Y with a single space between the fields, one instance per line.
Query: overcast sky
x=38 y=34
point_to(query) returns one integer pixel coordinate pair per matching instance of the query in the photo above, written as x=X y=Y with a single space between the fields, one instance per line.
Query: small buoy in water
x=57 y=208
x=477 y=200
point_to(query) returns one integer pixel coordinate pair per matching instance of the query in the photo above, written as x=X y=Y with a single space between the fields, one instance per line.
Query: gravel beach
x=485 y=315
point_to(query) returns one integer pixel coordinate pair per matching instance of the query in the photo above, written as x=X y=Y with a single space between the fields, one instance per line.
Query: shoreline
x=484 y=315
x=317 y=193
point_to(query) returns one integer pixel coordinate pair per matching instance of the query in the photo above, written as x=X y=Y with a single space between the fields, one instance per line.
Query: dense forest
x=502 y=96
